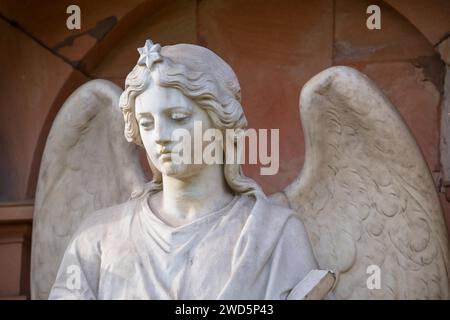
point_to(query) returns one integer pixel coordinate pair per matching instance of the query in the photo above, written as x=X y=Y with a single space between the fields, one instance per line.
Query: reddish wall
x=273 y=46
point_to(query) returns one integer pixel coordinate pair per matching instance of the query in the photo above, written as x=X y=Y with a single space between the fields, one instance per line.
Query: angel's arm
x=292 y=260
x=78 y=274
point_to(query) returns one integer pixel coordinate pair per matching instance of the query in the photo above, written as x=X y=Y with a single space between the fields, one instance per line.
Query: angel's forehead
x=157 y=98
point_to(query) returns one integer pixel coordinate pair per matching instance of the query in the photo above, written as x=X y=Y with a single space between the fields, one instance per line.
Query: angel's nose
x=162 y=133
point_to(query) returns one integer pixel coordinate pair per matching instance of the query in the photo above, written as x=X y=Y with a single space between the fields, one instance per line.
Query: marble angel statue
x=364 y=197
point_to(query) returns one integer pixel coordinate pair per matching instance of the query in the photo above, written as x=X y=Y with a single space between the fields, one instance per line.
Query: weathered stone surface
x=446 y=209
x=445 y=141
x=431 y=18
x=91 y=111
x=76 y=51
x=364 y=178
x=274 y=48
x=398 y=39
x=29 y=88
x=175 y=22
x=47 y=22
x=444 y=50
x=15 y=238
x=417 y=100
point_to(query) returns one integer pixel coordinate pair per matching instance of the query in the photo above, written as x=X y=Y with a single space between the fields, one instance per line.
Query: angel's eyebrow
x=181 y=108
x=143 y=115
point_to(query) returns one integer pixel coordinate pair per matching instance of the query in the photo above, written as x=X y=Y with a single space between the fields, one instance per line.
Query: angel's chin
x=171 y=169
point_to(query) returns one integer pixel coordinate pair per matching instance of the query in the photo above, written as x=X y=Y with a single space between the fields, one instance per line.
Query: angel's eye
x=179 y=116
x=145 y=124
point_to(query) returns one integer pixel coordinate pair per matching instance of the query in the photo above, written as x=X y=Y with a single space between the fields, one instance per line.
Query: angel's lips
x=165 y=154
x=164 y=151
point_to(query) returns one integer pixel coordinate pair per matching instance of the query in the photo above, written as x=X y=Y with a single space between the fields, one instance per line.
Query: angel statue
x=361 y=221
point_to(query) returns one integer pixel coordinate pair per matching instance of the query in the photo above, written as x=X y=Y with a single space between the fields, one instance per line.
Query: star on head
x=149 y=54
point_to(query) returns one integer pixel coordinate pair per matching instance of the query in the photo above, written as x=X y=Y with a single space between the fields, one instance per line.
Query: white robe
x=251 y=249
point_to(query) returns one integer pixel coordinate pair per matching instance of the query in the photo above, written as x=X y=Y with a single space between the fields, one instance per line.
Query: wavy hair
x=207 y=80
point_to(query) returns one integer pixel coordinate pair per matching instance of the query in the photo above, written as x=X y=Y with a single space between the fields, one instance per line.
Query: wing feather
x=366 y=194
x=87 y=165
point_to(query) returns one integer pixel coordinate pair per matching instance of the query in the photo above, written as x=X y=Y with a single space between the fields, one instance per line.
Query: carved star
x=149 y=54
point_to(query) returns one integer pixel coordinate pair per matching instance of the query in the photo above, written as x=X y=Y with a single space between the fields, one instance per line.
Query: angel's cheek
x=153 y=158
x=149 y=146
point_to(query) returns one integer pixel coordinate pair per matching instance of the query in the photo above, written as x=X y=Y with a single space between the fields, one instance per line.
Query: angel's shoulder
x=107 y=221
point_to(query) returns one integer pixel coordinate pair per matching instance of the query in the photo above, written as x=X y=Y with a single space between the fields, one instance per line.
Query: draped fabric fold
x=250 y=249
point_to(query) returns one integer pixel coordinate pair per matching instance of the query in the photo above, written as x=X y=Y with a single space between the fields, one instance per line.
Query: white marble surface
x=87 y=165
x=365 y=194
x=250 y=249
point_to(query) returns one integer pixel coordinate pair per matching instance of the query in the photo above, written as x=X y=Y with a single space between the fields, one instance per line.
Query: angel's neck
x=184 y=200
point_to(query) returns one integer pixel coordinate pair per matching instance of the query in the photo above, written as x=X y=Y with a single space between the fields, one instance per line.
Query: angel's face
x=159 y=112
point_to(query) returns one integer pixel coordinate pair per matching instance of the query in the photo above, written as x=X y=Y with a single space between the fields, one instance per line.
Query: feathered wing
x=366 y=195
x=87 y=165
